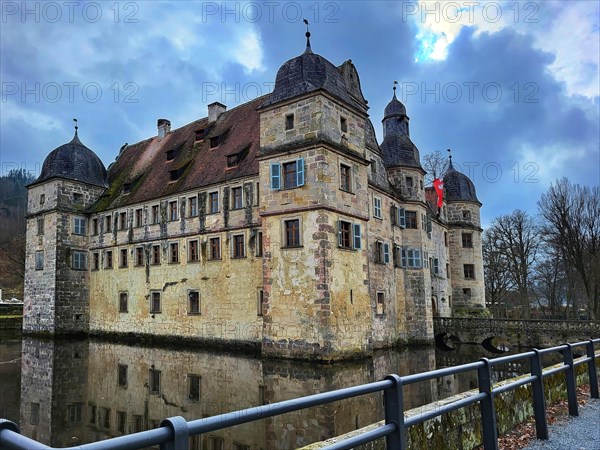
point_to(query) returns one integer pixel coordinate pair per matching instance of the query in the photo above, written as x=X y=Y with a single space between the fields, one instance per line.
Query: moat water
x=66 y=393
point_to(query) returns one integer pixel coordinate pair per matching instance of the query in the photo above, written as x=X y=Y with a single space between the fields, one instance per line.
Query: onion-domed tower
x=56 y=264
x=466 y=260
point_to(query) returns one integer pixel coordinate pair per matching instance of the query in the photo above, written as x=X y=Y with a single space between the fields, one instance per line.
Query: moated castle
x=280 y=225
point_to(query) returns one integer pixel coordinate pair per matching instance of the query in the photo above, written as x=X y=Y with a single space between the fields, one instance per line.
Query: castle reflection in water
x=84 y=391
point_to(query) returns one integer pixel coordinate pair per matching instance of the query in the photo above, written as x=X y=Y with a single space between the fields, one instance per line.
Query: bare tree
x=435 y=164
x=517 y=237
x=571 y=215
x=497 y=279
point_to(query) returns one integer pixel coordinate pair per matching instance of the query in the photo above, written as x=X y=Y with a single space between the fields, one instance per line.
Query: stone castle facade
x=280 y=225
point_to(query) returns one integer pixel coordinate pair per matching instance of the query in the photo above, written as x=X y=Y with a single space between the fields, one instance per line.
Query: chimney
x=164 y=126
x=215 y=110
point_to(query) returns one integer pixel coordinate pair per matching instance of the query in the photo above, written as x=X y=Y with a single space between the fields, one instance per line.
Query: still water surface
x=65 y=393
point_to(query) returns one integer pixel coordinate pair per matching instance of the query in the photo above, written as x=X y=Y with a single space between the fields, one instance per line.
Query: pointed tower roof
x=458 y=186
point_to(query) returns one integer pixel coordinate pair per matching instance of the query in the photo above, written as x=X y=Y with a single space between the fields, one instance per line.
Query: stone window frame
x=40 y=225
x=139 y=217
x=173 y=210
x=354 y=235
x=445 y=238
x=123 y=258
x=139 y=256
x=155 y=211
x=108 y=260
x=79 y=225
x=411 y=258
x=122 y=370
x=39 y=262
x=155 y=294
x=284 y=232
x=189 y=250
x=42 y=199
x=377 y=207
x=108 y=220
x=154 y=261
x=467 y=293
x=343 y=124
x=174 y=245
x=95 y=226
x=96 y=261
x=209 y=255
x=409 y=215
x=257 y=195
x=466 y=214
x=192 y=206
x=121 y=422
x=260 y=300
x=154 y=381
x=234 y=197
x=289 y=122
x=75 y=413
x=194 y=311
x=468 y=242
x=213 y=195
x=381 y=252
x=194 y=392
x=348 y=177
x=379 y=303
x=259 y=247
x=123 y=301
x=79 y=260
x=448 y=270
x=122 y=220
x=234 y=243
x=469 y=271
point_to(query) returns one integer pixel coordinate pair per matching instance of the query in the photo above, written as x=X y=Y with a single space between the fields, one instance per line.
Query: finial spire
x=76 y=127
x=450 y=166
x=394 y=88
x=308 y=49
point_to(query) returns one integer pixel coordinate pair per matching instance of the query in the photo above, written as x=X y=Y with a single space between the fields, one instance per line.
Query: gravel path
x=577 y=433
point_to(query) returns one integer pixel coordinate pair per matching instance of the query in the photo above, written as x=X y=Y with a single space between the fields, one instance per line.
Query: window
x=382 y=252
x=95 y=261
x=104 y=417
x=138 y=217
x=232 y=160
x=343 y=125
x=345 y=180
x=447 y=270
x=213 y=201
x=95 y=226
x=122 y=221
x=428 y=225
x=156 y=254
x=214 y=248
x=289 y=122
x=349 y=235
x=373 y=168
x=79 y=225
x=123 y=302
x=154 y=381
x=260 y=298
x=91 y=413
x=155 y=302
x=40 y=226
x=155 y=214
x=199 y=134
x=122 y=375
x=109 y=260
x=293 y=175
x=193 y=302
x=410 y=258
x=377 y=207
x=194 y=387
x=75 y=413
x=42 y=199
x=139 y=256
x=173 y=175
x=238 y=246
x=259 y=244
x=467 y=293
x=214 y=141
x=121 y=421
x=137 y=424
x=77 y=198
x=39 y=260
x=173 y=210
x=466 y=214
x=292 y=233
x=409 y=182
x=380 y=303
x=467 y=240
x=108 y=221
x=79 y=260
x=411 y=219
x=257 y=195
x=469 y=270
x=193 y=206
x=170 y=155
x=436 y=266
x=398 y=216
x=193 y=251
x=446 y=238
x=236 y=198
x=174 y=252
x=215 y=443
x=123 y=262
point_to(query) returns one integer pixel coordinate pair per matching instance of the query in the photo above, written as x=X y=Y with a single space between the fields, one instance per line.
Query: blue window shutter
x=386 y=253
x=300 y=171
x=417 y=258
x=357 y=243
x=402 y=217
x=275 y=176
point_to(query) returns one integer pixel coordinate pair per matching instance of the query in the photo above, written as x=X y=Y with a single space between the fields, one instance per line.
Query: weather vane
x=76 y=127
x=307 y=34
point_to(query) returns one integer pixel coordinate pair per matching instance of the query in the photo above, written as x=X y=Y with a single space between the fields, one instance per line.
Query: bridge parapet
x=519 y=332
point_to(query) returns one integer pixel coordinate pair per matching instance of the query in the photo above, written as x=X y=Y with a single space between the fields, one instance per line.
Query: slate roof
x=73 y=161
x=458 y=187
x=394 y=107
x=310 y=72
x=143 y=167
x=399 y=150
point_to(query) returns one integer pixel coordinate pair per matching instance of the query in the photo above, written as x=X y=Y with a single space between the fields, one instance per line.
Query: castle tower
x=466 y=260
x=313 y=182
x=56 y=275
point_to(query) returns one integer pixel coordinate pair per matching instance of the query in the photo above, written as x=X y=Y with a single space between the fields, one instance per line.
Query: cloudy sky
x=511 y=87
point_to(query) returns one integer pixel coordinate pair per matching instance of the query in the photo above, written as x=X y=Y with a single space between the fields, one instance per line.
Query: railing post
x=589 y=348
x=488 y=412
x=181 y=434
x=539 y=401
x=570 y=380
x=393 y=403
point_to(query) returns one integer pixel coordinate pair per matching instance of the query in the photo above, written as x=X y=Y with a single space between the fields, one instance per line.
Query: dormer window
x=232 y=160
x=343 y=124
x=289 y=122
x=173 y=175
x=170 y=155
x=126 y=188
x=199 y=134
x=214 y=141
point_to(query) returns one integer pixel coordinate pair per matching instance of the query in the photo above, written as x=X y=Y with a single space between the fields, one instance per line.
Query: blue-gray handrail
x=174 y=432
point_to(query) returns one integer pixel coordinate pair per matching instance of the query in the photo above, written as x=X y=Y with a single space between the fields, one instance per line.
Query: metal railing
x=174 y=432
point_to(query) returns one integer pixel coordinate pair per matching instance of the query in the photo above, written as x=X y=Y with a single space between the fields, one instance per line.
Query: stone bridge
x=514 y=332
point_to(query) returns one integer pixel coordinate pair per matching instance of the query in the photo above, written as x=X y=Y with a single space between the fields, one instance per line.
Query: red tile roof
x=145 y=168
